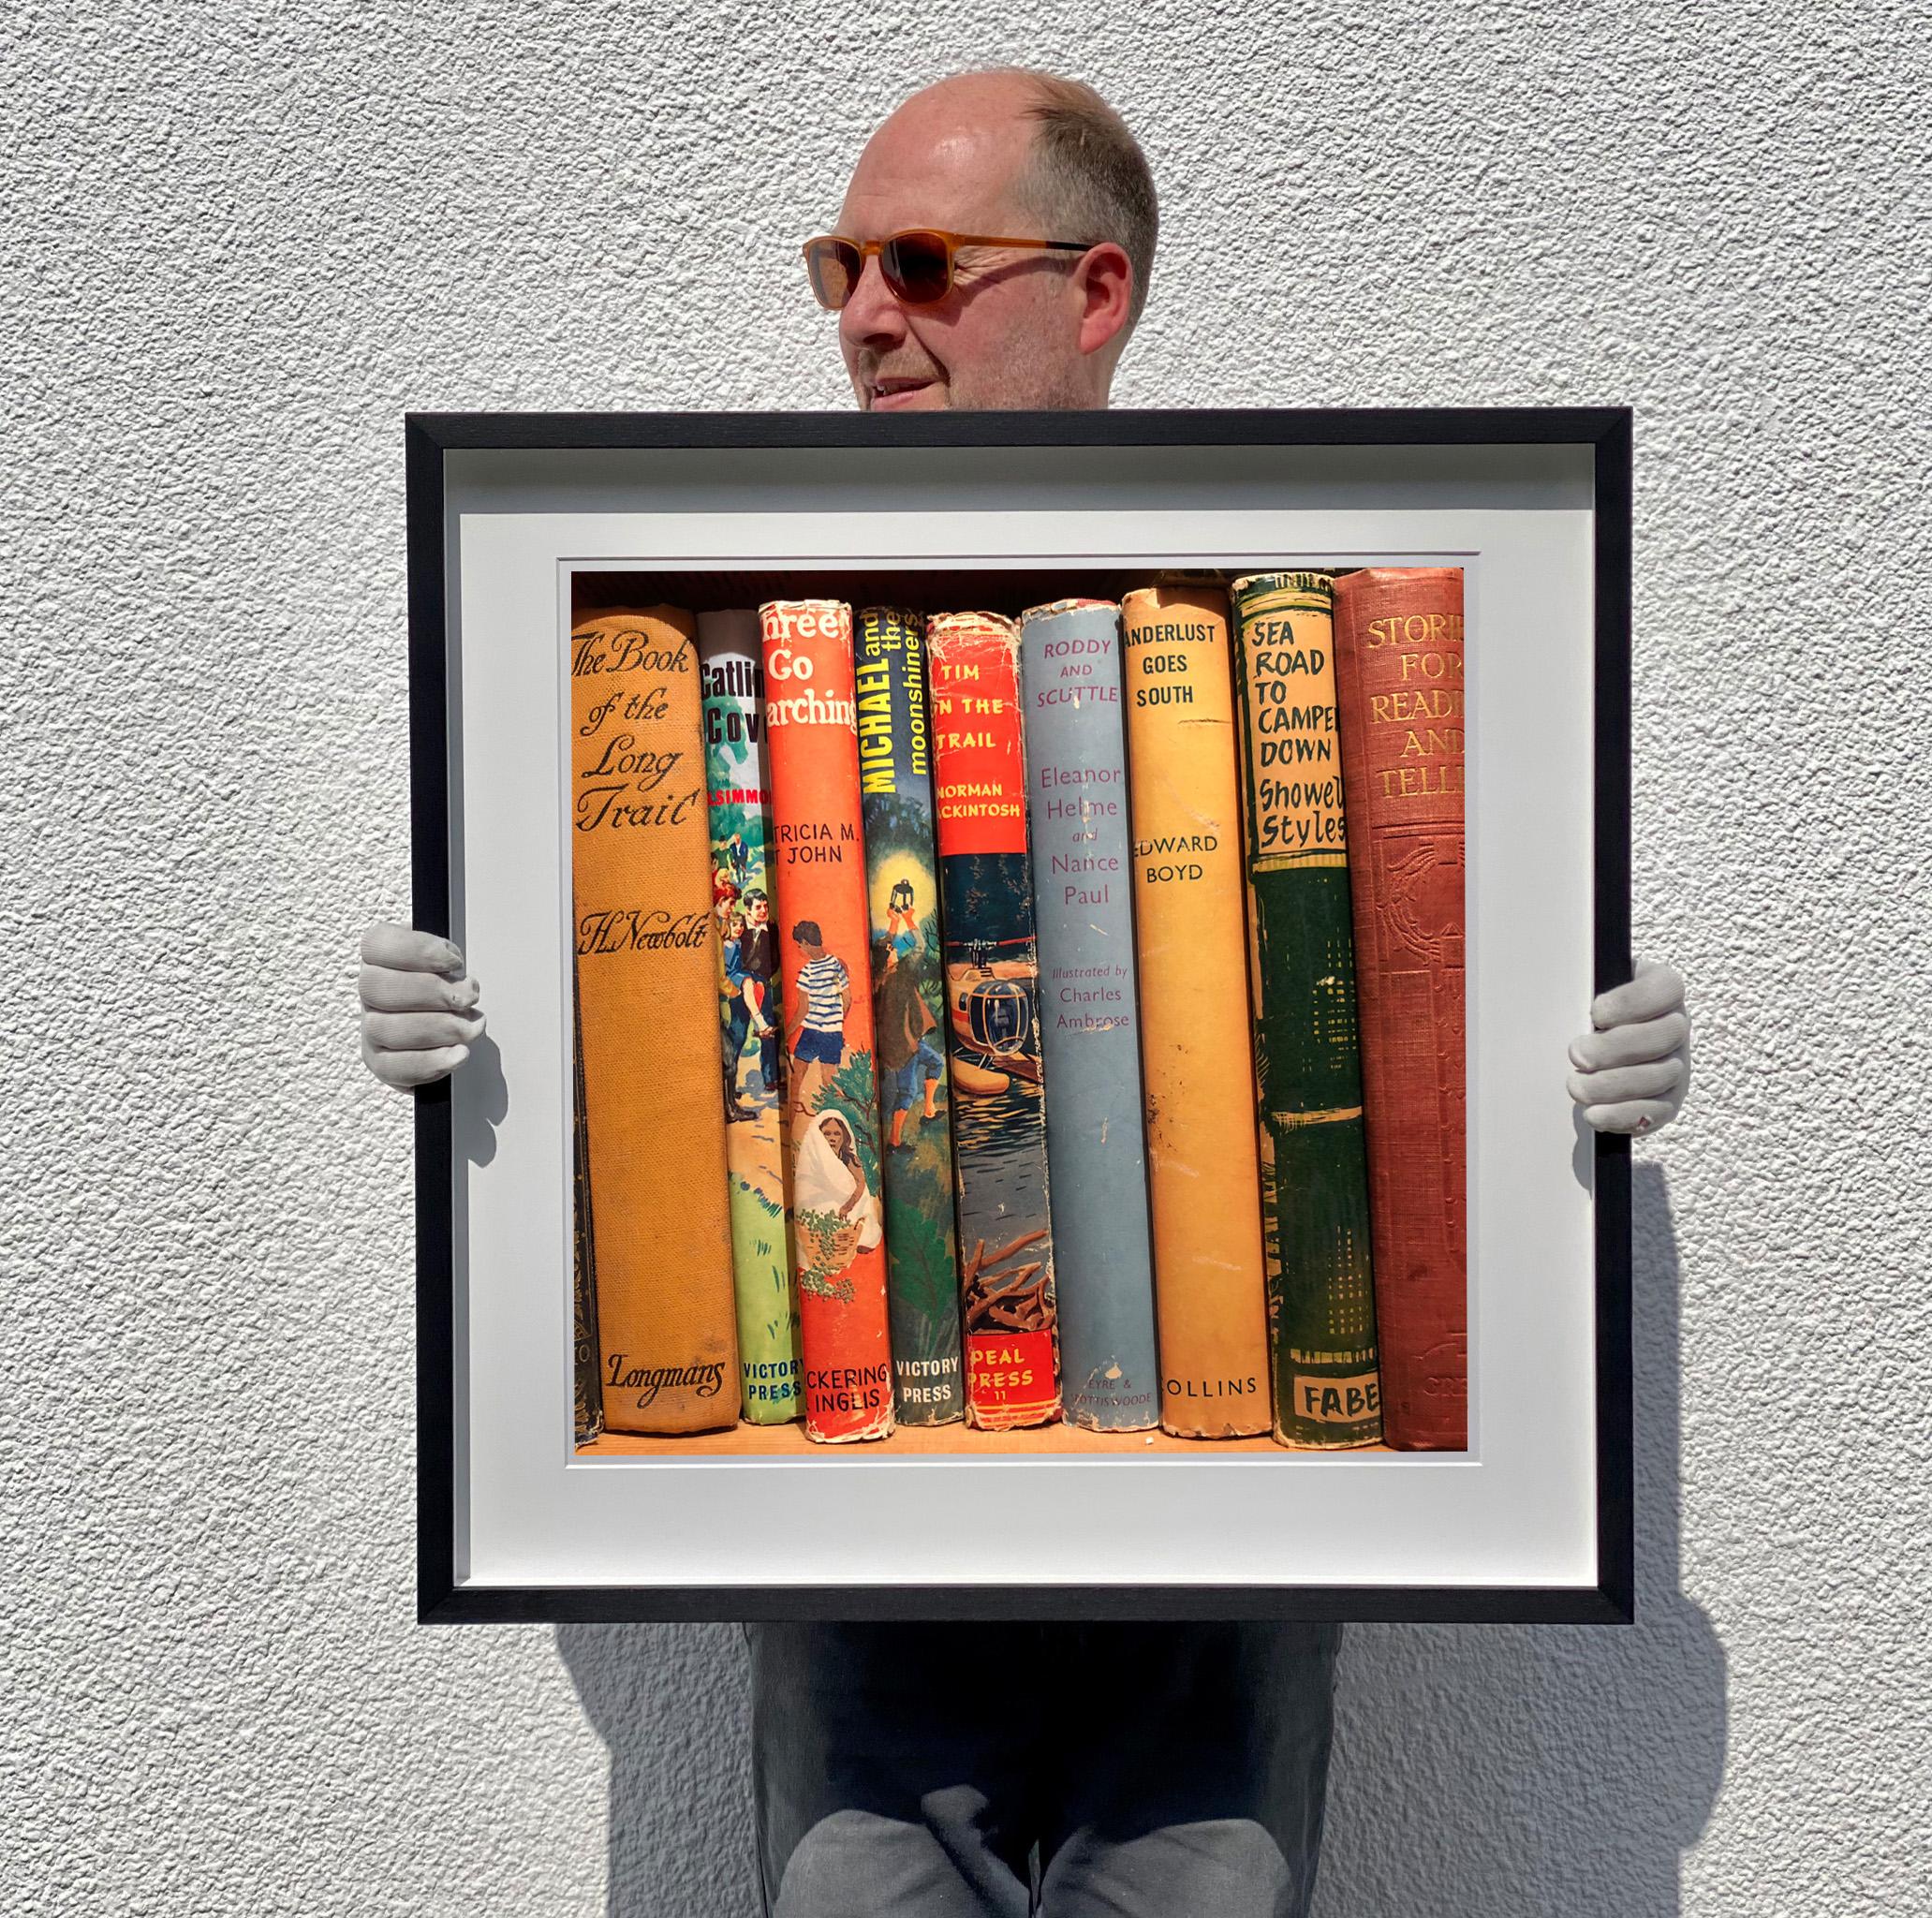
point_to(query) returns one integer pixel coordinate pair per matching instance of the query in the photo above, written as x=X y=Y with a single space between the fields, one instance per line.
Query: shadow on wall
x=1524 y=1771
x=671 y=1704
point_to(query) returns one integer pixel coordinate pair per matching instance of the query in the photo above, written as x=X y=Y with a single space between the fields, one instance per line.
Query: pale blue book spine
x=1082 y=898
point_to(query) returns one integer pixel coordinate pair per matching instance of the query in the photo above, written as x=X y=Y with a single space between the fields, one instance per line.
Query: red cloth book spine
x=1006 y=1243
x=824 y=930
x=1399 y=640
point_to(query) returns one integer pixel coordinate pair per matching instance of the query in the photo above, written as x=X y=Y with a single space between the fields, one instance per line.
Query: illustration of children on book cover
x=754 y=1080
x=836 y=1183
x=836 y=1192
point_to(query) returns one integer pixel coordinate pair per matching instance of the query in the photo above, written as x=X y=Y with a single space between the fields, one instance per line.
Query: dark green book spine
x=1307 y=1058
x=902 y=885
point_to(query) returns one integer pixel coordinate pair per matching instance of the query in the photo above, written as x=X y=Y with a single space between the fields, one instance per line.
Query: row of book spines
x=1014 y=1373
x=1320 y=1301
x=649 y=643
x=1325 y=1213
x=919 y=1324
x=1209 y=1293
x=994 y=687
x=925 y=1336
x=999 y=630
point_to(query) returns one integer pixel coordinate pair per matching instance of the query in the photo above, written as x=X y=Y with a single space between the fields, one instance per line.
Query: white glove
x=419 y=1006
x=1633 y=1070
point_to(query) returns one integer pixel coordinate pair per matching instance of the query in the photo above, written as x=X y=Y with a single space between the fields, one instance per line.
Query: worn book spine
x=1399 y=693
x=992 y=1001
x=646 y=950
x=1089 y=1026
x=738 y=775
x=1203 y=1171
x=838 y=1230
x=902 y=883
x=1307 y=1064
x=588 y=1412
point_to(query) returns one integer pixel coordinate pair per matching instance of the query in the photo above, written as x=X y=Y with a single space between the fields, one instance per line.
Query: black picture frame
x=1606 y=431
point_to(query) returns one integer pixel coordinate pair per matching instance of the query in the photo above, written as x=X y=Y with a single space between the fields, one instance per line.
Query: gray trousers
x=1070 y=1771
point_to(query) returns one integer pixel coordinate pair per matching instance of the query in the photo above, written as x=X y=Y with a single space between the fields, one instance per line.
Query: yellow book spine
x=647 y=963
x=1196 y=1037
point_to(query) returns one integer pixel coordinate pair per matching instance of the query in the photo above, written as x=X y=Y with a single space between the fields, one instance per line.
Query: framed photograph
x=618 y=1416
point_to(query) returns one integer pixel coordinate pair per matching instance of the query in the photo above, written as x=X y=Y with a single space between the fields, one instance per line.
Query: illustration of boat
x=974 y=1082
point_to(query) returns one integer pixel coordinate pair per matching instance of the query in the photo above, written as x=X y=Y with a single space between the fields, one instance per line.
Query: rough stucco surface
x=247 y=238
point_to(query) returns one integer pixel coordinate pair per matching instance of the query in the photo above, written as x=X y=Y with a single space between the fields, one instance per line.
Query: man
x=1138 y=1771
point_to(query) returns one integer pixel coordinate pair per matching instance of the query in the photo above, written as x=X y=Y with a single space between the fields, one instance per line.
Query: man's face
x=759 y=910
x=1008 y=333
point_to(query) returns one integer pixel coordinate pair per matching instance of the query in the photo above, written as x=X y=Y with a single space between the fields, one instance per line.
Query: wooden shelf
x=926 y=1442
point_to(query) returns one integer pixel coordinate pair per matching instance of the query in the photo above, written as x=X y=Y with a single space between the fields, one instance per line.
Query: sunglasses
x=917 y=266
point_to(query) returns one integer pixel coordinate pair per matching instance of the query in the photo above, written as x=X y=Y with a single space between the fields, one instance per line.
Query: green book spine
x=1308 y=1063
x=902 y=886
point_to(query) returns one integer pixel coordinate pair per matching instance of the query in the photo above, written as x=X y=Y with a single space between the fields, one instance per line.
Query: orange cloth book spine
x=1196 y=1037
x=1398 y=654
x=647 y=960
x=824 y=946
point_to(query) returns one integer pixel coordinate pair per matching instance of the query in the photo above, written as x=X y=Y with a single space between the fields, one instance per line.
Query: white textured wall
x=255 y=234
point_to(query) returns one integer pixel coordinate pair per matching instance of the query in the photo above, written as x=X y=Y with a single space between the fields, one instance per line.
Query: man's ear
x=1104 y=280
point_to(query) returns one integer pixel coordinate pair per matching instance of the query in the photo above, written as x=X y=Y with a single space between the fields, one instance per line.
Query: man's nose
x=872 y=317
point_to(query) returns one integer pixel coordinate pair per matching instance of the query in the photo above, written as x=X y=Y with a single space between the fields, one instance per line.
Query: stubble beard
x=1034 y=377
x=1040 y=372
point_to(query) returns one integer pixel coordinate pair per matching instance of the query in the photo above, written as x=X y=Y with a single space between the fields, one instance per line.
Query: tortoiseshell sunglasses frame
x=948 y=242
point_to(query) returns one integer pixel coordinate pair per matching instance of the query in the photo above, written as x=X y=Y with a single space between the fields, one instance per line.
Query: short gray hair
x=1088 y=179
